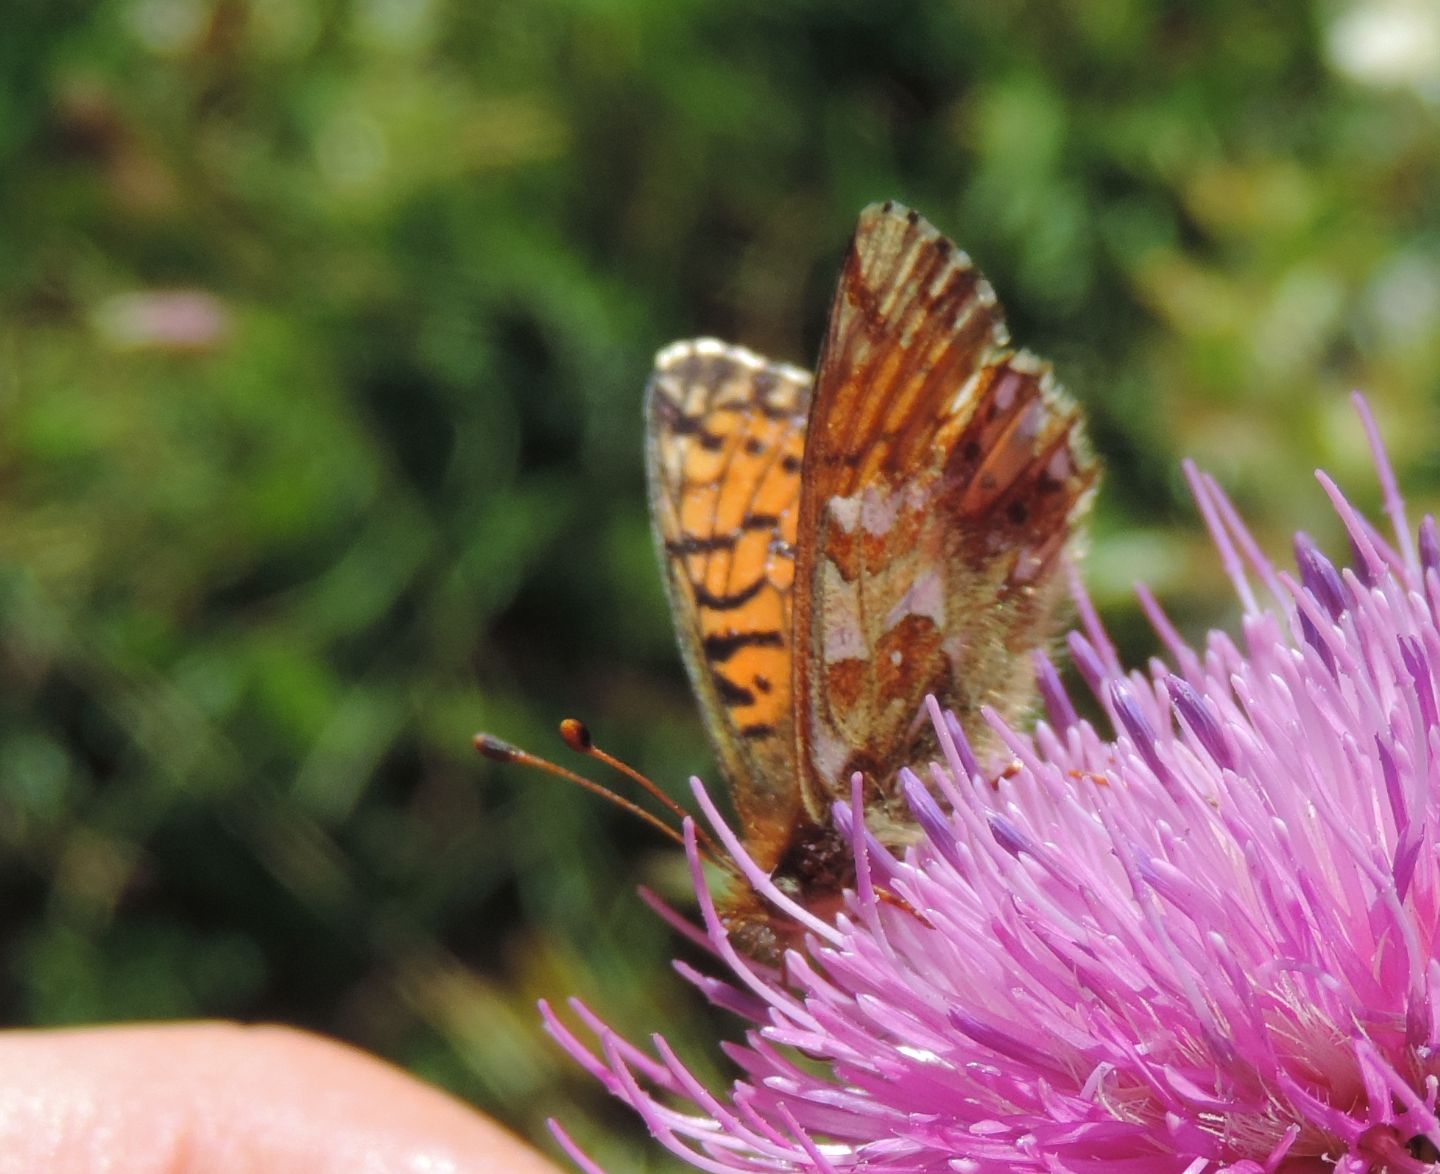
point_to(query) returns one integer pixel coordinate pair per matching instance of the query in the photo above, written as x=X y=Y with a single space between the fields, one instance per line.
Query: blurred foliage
x=322 y=332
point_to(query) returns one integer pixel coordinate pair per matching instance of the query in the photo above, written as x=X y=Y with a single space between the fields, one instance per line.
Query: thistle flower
x=1205 y=943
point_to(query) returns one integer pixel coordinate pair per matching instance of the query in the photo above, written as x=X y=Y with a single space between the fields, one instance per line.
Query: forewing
x=943 y=478
x=725 y=434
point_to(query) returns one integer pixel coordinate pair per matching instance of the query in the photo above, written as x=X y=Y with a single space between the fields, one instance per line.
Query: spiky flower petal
x=1207 y=942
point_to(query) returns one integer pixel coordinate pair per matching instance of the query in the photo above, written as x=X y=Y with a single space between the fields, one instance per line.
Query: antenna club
x=495 y=749
x=576 y=735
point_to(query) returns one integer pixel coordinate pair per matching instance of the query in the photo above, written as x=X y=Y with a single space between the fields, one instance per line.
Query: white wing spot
x=926 y=597
x=844 y=635
x=845 y=512
x=878 y=510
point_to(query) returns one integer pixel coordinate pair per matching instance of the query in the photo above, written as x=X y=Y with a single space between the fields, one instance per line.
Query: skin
x=229 y=1098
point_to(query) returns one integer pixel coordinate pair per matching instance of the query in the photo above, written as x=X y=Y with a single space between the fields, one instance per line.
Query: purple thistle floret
x=1207 y=943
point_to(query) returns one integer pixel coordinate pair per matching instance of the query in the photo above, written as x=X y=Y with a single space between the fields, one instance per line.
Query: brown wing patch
x=726 y=433
x=943 y=477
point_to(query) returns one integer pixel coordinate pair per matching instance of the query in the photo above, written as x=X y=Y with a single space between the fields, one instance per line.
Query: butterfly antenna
x=498 y=750
x=576 y=735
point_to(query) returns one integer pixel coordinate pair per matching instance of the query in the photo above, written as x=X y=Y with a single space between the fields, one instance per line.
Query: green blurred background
x=323 y=328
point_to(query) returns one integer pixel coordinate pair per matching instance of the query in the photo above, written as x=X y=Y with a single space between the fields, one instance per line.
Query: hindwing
x=943 y=476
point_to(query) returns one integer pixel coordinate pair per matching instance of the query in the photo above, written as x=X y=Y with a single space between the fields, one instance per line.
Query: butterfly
x=835 y=548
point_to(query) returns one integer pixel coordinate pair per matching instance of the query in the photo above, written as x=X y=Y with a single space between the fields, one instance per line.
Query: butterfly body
x=836 y=549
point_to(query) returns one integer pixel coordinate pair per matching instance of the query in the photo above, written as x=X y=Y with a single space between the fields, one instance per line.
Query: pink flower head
x=180 y=321
x=1205 y=943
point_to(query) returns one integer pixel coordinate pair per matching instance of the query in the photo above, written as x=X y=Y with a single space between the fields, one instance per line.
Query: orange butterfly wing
x=725 y=433
x=943 y=477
